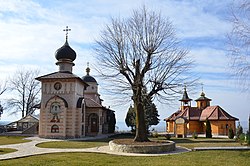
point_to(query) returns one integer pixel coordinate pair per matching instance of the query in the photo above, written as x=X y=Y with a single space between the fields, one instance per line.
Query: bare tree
x=3 y=88
x=239 y=42
x=143 y=52
x=26 y=92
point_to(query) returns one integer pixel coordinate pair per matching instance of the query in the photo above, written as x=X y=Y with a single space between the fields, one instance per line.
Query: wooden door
x=94 y=124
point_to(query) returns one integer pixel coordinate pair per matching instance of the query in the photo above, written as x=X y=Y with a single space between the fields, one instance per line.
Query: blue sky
x=31 y=31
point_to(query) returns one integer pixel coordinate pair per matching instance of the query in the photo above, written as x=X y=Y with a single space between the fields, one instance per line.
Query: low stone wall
x=159 y=148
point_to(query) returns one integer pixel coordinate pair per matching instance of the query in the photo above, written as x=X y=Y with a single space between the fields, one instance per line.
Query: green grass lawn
x=204 y=158
x=5 y=140
x=71 y=144
x=184 y=142
x=204 y=142
x=6 y=150
x=81 y=144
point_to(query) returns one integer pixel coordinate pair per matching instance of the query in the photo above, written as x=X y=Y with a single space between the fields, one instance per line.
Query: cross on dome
x=67 y=31
x=88 y=69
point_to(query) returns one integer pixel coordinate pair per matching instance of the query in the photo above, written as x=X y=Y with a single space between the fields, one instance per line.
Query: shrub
x=208 y=129
x=168 y=136
x=230 y=133
x=155 y=134
x=248 y=137
x=195 y=135
x=242 y=138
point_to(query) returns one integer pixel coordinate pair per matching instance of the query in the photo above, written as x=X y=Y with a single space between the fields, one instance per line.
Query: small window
x=54 y=129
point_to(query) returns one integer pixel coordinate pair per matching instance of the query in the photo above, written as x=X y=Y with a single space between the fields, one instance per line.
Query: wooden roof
x=191 y=113
x=194 y=113
x=173 y=116
x=215 y=113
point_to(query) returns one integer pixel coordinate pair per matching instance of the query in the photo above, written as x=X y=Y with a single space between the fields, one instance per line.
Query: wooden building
x=195 y=117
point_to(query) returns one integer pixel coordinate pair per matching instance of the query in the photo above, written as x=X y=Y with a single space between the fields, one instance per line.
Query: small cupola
x=203 y=101
x=87 y=78
x=92 y=90
x=185 y=101
x=65 y=56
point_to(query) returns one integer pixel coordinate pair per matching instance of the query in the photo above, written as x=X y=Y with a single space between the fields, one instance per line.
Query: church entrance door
x=94 y=124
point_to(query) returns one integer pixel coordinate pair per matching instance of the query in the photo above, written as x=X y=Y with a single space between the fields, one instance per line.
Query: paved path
x=30 y=148
x=221 y=148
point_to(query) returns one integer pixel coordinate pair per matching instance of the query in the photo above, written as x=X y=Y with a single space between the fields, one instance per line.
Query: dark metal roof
x=88 y=78
x=203 y=98
x=185 y=97
x=65 y=52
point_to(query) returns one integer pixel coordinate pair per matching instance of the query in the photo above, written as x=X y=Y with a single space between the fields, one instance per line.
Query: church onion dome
x=65 y=52
x=185 y=97
x=88 y=78
x=203 y=97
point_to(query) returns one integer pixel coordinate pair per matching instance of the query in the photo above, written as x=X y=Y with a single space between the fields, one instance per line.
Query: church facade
x=71 y=106
x=188 y=119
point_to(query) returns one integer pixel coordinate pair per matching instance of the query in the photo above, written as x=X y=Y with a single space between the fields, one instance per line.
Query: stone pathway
x=30 y=148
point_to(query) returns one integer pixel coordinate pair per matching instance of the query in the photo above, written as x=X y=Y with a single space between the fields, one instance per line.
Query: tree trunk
x=141 y=133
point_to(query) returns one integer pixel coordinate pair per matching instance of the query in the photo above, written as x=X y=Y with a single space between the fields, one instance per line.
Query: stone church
x=71 y=106
x=189 y=119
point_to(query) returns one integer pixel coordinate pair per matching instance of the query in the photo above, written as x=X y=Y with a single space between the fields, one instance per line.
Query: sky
x=32 y=30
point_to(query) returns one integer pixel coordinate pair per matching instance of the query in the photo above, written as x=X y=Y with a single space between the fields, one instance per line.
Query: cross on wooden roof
x=67 y=30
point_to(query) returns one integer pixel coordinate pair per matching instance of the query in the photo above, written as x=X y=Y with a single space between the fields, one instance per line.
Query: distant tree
x=239 y=131
x=208 y=129
x=111 y=122
x=151 y=115
x=26 y=91
x=1 y=109
x=143 y=51
x=248 y=133
x=130 y=118
x=238 y=40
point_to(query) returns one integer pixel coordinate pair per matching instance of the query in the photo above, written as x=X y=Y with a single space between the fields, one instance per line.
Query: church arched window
x=54 y=129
